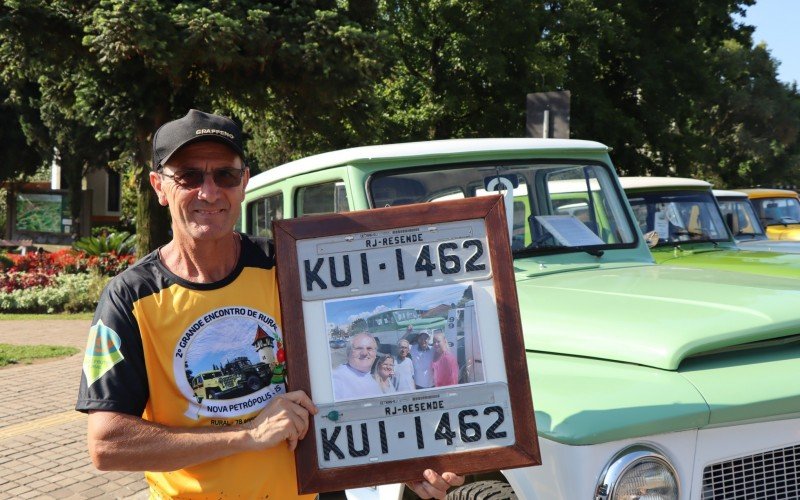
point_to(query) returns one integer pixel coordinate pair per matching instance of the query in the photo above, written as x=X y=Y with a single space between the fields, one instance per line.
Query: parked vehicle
x=235 y=378
x=741 y=219
x=686 y=228
x=389 y=327
x=779 y=211
x=649 y=381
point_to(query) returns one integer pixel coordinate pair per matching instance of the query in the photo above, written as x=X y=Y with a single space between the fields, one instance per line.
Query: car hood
x=653 y=315
x=784 y=246
x=783 y=231
x=730 y=259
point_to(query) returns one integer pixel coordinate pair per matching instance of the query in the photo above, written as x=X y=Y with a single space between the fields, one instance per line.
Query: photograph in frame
x=358 y=286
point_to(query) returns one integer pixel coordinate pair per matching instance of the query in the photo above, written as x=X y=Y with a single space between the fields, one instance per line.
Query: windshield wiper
x=595 y=252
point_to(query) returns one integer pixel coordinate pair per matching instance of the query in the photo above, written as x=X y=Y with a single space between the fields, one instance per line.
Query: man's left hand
x=435 y=485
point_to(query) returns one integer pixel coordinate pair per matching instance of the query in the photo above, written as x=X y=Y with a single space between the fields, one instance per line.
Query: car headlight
x=638 y=473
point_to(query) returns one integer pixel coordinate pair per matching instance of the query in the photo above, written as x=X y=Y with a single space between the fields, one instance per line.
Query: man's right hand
x=285 y=418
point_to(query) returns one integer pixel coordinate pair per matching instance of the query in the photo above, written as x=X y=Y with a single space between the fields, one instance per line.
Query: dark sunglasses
x=192 y=178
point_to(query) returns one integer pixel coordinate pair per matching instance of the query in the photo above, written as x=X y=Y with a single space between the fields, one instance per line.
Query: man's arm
x=125 y=442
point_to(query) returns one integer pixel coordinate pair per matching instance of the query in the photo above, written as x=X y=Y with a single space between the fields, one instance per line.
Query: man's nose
x=209 y=191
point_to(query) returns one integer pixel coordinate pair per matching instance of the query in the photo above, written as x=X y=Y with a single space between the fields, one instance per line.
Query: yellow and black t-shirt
x=185 y=354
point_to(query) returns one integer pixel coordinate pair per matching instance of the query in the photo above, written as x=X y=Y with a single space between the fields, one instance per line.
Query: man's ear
x=155 y=182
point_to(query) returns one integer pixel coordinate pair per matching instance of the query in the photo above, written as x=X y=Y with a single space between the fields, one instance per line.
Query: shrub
x=122 y=243
x=67 y=292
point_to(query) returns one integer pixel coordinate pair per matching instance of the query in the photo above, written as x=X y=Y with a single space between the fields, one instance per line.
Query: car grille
x=770 y=475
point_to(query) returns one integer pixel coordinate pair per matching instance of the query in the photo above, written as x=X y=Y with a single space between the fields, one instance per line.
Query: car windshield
x=557 y=207
x=741 y=219
x=773 y=211
x=679 y=216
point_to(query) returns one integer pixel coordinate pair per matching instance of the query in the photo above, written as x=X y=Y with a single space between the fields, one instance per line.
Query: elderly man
x=205 y=300
x=353 y=379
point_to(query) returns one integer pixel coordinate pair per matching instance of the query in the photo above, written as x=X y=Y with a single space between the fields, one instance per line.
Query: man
x=176 y=336
x=354 y=378
x=422 y=357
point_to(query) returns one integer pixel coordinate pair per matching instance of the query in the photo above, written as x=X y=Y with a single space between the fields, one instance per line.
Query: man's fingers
x=453 y=479
x=434 y=485
x=303 y=400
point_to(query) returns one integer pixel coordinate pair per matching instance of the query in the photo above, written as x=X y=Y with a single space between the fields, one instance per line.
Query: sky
x=776 y=23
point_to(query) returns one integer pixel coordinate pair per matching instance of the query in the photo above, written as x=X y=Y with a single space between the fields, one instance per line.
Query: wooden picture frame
x=450 y=247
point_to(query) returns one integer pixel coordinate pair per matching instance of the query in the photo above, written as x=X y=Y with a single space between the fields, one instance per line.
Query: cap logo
x=213 y=131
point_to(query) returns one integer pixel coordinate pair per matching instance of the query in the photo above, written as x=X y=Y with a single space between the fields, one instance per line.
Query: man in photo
x=422 y=357
x=404 y=367
x=353 y=379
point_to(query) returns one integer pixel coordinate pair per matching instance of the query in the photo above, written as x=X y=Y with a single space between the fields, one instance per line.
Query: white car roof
x=729 y=194
x=656 y=182
x=418 y=150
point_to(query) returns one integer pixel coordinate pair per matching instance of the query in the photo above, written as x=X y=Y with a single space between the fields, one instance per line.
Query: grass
x=24 y=316
x=25 y=354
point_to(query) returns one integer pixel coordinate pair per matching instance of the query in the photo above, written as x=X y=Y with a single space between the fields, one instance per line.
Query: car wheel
x=211 y=393
x=253 y=383
x=483 y=490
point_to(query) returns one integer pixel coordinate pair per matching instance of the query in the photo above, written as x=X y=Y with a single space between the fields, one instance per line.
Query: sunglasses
x=193 y=178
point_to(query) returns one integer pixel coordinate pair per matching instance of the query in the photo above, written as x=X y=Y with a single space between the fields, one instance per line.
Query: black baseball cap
x=196 y=126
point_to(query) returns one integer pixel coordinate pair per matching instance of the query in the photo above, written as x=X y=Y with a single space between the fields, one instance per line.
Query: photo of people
x=402 y=342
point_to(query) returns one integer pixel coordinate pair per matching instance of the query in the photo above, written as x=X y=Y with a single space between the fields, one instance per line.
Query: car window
x=679 y=216
x=778 y=210
x=325 y=198
x=556 y=207
x=261 y=213
x=741 y=219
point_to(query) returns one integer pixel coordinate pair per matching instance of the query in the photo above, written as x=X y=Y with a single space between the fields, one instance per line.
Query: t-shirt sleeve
x=114 y=376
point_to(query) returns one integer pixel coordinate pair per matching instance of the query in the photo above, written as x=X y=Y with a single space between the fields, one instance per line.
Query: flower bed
x=66 y=280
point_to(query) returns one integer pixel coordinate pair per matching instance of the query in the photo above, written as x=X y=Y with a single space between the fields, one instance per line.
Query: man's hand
x=285 y=418
x=434 y=485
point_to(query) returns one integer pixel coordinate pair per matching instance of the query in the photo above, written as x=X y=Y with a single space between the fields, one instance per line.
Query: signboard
x=42 y=213
x=402 y=324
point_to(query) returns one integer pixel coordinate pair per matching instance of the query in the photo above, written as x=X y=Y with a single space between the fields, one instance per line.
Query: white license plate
x=419 y=425
x=381 y=261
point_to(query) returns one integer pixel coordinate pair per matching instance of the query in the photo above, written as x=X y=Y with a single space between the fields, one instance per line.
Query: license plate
x=410 y=257
x=417 y=425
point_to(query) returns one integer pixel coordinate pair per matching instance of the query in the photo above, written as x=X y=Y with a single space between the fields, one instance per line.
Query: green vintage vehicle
x=649 y=381
x=687 y=228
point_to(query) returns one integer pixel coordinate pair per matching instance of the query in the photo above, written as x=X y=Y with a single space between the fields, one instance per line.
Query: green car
x=681 y=219
x=648 y=381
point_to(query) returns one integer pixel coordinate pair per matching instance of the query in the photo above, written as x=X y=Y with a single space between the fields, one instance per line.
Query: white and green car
x=649 y=381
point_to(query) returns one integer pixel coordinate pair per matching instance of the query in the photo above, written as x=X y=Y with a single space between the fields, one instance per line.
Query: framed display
x=403 y=326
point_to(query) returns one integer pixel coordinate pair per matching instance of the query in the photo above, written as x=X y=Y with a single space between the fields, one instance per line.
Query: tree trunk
x=152 y=220
x=73 y=174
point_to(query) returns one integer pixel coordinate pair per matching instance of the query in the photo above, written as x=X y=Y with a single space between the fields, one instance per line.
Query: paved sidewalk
x=42 y=438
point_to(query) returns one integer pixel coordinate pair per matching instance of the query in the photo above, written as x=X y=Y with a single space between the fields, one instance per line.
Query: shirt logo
x=102 y=352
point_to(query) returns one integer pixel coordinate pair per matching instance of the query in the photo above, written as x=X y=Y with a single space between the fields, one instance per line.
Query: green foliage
x=69 y=293
x=121 y=243
x=25 y=354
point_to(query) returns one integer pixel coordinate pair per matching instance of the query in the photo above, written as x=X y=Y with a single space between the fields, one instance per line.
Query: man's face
x=206 y=212
x=422 y=342
x=363 y=353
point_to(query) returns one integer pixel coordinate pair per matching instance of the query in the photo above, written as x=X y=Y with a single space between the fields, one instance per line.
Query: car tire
x=483 y=490
x=211 y=393
x=253 y=383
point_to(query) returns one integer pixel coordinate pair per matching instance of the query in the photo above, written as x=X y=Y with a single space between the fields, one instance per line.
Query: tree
x=17 y=156
x=752 y=122
x=461 y=68
x=140 y=64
